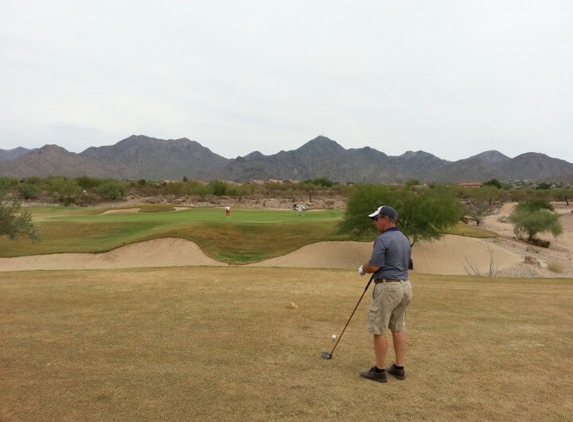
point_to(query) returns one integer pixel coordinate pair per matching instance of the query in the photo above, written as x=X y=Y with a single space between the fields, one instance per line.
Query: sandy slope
x=156 y=253
x=559 y=254
x=453 y=255
x=450 y=255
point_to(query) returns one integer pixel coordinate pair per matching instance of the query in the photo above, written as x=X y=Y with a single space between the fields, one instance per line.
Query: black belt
x=387 y=280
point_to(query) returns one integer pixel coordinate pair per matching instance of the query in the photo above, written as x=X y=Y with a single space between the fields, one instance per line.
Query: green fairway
x=248 y=236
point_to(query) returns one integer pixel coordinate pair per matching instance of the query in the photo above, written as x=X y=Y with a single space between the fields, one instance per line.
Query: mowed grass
x=243 y=238
x=248 y=236
x=221 y=344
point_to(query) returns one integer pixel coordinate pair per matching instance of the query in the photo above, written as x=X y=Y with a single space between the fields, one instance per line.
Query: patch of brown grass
x=224 y=344
x=555 y=267
x=461 y=229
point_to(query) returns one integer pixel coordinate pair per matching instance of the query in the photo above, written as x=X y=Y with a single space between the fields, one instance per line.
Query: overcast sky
x=452 y=78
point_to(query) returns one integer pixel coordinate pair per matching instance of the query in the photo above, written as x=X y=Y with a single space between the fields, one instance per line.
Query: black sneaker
x=374 y=376
x=398 y=373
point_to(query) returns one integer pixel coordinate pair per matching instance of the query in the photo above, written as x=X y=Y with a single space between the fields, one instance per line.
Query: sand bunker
x=453 y=255
x=122 y=211
x=170 y=252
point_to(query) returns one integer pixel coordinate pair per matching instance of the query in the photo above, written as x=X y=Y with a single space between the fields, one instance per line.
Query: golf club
x=327 y=355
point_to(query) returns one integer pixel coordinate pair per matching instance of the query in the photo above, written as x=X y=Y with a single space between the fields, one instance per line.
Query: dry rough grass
x=243 y=343
x=225 y=344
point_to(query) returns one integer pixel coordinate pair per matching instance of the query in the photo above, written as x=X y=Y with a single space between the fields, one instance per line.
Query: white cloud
x=453 y=78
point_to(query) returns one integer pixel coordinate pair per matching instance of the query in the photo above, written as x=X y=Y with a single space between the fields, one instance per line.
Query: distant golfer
x=391 y=296
x=227 y=211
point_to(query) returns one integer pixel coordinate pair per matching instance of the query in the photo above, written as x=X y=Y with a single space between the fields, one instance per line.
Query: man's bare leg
x=380 y=350
x=400 y=344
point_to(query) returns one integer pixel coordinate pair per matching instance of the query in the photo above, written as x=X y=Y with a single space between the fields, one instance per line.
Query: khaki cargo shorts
x=388 y=306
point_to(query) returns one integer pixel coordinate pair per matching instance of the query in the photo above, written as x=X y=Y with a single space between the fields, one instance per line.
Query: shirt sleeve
x=378 y=258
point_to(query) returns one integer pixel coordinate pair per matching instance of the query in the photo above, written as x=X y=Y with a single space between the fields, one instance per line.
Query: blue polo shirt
x=391 y=253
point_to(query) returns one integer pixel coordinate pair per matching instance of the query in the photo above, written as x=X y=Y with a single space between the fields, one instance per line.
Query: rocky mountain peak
x=143 y=157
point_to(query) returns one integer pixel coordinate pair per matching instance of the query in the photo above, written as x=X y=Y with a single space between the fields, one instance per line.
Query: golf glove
x=361 y=270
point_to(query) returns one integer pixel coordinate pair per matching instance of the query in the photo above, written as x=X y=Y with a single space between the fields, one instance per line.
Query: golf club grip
x=352 y=314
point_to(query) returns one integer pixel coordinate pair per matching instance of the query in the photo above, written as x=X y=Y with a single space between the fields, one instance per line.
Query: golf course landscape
x=159 y=313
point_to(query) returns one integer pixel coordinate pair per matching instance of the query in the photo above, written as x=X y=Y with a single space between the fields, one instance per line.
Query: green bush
x=533 y=217
x=217 y=188
x=111 y=190
x=29 y=191
x=86 y=182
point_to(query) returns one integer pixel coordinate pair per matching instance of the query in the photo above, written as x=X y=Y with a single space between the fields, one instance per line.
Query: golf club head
x=326 y=355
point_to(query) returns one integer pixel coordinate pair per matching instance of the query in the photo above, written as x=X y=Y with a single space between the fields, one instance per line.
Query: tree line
x=425 y=211
x=89 y=191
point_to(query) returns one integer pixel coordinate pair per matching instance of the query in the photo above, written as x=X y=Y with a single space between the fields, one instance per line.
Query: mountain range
x=142 y=157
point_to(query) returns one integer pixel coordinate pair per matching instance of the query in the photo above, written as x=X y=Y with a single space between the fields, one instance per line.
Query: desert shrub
x=530 y=220
x=63 y=187
x=493 y=182
x=540 y=242
x=217 y=188
x=14 y=221
x=201 y=191
x=86 y=182
x=555 y=267
x=535 y=204
x=543 y=185
x=321 y=181
x=29 y=191
x=111 y=190
x=7 y=183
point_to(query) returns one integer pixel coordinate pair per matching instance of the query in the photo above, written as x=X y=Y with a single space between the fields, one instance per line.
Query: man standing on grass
x=391 y=296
